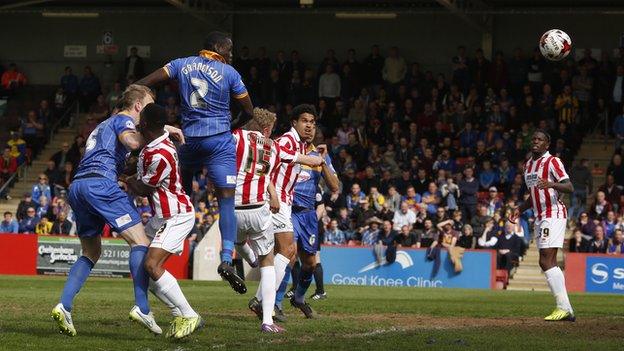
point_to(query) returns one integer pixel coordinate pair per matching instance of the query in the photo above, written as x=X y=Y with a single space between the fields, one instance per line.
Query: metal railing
x=21 y=170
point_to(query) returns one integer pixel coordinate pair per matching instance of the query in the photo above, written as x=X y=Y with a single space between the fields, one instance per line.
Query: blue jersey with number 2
x=206 y=85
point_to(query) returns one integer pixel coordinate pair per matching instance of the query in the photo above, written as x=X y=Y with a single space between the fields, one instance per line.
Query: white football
x=555 y=44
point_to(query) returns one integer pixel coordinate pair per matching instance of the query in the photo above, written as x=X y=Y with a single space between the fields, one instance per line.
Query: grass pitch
x=352 y=318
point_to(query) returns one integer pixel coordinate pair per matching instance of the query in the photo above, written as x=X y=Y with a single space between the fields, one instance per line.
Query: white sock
x=246 y=253
x=168 y=286
x=174 y=310
x=280 y=270
x=556 y=283
x=267 y=286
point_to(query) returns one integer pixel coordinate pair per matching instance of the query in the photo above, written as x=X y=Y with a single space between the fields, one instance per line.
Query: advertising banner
x=357 y=266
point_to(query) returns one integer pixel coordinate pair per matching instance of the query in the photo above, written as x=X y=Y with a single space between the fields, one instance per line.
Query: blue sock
x=227 y=226
x=282 y=288
x=305 y=279
x=140 y=278
x=78 y=274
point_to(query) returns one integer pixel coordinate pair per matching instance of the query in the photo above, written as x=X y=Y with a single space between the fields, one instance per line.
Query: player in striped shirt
x=546 y=179
x=158 y=178
x=284 y=178
x=206 y=83
x=256 y=157
x=305 y=221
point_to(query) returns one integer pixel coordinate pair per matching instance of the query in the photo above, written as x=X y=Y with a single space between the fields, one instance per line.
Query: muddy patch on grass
x=397 y=323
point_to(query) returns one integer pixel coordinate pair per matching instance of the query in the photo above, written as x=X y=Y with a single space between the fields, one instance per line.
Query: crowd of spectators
x=424 y=159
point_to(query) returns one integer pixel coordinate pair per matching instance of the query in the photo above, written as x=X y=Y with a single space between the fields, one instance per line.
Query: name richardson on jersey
x=204 y=68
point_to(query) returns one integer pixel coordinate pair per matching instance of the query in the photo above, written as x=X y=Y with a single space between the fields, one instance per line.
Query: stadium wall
x=37 y=44
x=596 y=273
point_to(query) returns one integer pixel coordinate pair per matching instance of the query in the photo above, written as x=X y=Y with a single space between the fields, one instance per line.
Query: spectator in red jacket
x=12 y=78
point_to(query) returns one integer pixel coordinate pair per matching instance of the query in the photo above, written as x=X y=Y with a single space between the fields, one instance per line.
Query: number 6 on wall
x=201 y=89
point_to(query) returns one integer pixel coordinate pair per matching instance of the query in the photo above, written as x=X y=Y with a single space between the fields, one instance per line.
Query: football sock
x=556 y=283
x=281 y=291
x=78 y=274
x=247 y=253
x=296 y=270
x=140 y=278
x=318 y=279
x=168 y=286
x=305 y=279
x=281 y=262
x=174 y=310
x=227 y=226
x=267 y=286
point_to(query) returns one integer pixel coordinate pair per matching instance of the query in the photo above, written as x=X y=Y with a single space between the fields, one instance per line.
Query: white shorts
x=255 y=224
x=169 y=234
x=550 y=232
x=282 y=221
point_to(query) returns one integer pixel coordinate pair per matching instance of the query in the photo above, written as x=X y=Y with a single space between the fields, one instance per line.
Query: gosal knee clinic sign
x=358 y=266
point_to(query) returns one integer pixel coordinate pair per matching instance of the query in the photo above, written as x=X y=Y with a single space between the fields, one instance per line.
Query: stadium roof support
x=459 y=8
x=199 y=8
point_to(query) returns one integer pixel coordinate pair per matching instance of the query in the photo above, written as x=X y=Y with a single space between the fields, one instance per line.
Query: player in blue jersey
x=305 y=222
x=207 y=82
x=96 y=199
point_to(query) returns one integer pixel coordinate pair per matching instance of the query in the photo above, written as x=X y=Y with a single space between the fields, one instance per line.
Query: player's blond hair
x=132 y=94
x=262 y=118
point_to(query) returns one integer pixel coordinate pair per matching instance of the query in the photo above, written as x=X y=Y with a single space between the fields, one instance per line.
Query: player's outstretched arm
x=246 y=114
x=158 y=76
x=312 y=161
x=331 y=179
x=564 y=186
x=132 y=140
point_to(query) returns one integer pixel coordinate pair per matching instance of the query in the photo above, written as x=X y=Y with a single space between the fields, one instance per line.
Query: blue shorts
x=217 y=153
x=305 y=225
x=96 y=201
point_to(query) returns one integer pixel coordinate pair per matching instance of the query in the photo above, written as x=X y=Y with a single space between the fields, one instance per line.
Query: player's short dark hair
x=543 y=132
x=8 y=213
x=155 y=117
x=214 y=39
x=299 y=110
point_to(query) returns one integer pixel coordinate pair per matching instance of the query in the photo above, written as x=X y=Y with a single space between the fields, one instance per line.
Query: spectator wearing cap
x=9 y=224
x=29 y=222
x=23 y=206
x=494 y=202
x=370 y=233
x=333 y=235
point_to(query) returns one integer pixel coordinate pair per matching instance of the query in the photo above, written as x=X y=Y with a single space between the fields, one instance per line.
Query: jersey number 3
x=197 y=96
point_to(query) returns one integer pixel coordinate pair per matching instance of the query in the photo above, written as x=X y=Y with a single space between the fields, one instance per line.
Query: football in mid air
x=555 y=45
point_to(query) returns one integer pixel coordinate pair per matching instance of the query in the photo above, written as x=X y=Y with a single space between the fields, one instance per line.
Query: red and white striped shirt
x=546 y=202
x=256 y=158
x=158 y=167
x=285 y=175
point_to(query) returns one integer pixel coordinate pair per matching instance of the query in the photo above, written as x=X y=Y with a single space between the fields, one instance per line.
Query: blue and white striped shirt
x=206 y=84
